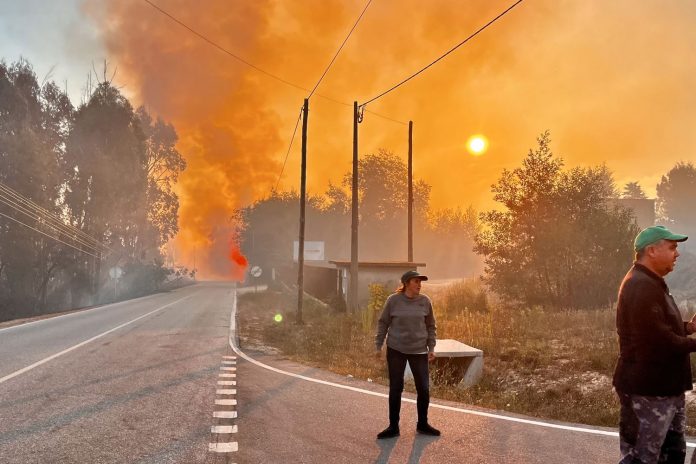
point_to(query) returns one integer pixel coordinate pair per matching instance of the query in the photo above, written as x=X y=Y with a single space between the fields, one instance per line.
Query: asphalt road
x=140 y=382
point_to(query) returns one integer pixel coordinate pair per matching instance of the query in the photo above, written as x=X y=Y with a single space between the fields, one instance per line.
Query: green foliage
x=676 y=195
x=633 y=191
x=444 y=238
x=463 y=296
x=103 y=168
x=558 y=241
x=378 y=296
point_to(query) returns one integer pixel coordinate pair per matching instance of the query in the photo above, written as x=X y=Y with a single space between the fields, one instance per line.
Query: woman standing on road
x=408 y=320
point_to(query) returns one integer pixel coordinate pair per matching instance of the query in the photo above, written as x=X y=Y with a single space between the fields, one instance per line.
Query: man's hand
x=691 y=326
x=431 y=356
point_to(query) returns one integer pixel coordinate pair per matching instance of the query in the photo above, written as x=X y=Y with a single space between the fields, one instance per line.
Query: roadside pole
x=303 y=191
x=353 y=291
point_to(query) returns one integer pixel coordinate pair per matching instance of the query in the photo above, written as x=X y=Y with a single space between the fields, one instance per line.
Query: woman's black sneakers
x=389 y=432
x=427 y=429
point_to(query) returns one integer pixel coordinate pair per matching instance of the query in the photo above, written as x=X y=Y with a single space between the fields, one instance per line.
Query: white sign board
x=115 y=272
x=313 y=251
x=256 y=271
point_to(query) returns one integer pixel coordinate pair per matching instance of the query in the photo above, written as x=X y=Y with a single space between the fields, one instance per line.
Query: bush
x=467 y=295
x=378 y=296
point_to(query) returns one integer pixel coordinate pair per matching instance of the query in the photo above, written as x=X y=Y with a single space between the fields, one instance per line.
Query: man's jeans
x=651 y=429
x=396 y=362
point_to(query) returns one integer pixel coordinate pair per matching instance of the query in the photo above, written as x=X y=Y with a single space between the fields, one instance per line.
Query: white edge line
x=78 y=311
x=233 y=345
x=74 y=347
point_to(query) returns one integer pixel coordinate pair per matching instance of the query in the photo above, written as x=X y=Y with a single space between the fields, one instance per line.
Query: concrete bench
x=455 y=364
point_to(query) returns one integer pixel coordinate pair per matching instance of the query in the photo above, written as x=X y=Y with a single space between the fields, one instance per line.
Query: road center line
x=233 y=345
x=74 y=347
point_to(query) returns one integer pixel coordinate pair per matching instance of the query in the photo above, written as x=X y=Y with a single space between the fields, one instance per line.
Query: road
x=143 y=381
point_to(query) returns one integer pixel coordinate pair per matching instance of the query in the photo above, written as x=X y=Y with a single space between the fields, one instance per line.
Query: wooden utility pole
x=410 y=191
x=303 y=190
x=353 y=291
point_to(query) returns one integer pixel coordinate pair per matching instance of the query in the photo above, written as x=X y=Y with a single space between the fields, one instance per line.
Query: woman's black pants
x=396 y=362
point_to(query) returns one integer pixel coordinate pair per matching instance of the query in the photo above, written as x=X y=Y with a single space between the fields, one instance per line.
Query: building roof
x=383 y=264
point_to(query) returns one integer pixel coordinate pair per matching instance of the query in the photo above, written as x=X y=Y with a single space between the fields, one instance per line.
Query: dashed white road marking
x=227 y=376
x=223 y=429
x=229 y=363
x=223 y=447
x=230 y=369
x=226 y=402
x=227 y=382
x=225 y=414
x=229 y=357
x=233 y=345
x=226 y=391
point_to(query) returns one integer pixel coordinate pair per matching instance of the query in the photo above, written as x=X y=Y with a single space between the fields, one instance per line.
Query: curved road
x=160 y=379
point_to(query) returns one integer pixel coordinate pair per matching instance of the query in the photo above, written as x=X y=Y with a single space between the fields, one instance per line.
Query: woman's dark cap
x=408 y=275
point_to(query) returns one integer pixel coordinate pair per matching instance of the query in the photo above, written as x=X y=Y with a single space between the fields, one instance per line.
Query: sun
x=477 y=145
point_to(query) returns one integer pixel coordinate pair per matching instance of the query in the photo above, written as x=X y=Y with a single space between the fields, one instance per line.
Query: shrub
x=467 y=295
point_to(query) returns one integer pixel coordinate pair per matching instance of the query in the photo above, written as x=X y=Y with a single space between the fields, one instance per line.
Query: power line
x=36 y=217
x=47 y=235
x=257 y=68
x=292 y=139
x=41 y=215
x=222 y=49
x=294 y=132
x=444 y=55
x=44 y=214
x=47 y=215
x=340 y=48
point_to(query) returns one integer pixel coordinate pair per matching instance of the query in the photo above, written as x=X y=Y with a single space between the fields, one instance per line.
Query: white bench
x=455 y=363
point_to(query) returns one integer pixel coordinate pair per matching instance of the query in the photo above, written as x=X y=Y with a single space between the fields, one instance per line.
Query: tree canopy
x=556 y=241
x=104 y=169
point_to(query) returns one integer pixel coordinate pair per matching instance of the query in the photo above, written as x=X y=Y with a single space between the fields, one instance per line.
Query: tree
x=633 y=191
x=557 y=241
x=34 y=122
x=107 y=191
x=676 y=195
x=383 y=198
x=164 y=163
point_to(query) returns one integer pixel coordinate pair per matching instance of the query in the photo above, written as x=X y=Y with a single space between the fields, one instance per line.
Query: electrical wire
x=47 y=235
x=340 y=48
x=44 y=214
x=444 y=55
x=292 y=139
x=37 y=218
x=257 y=68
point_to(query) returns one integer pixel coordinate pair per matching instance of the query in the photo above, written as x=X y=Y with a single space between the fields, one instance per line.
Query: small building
x=387 y=273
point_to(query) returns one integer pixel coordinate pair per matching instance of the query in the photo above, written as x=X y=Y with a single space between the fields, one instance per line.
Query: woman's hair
x=401 y=288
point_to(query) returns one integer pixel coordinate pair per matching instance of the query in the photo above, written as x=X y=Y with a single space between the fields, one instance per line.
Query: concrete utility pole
x=353 y=291
x=303 y=190
x=410 y=191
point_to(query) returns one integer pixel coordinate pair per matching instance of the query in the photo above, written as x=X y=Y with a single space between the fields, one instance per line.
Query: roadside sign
x=115 y=272
x=256 y=271
x=313 y=250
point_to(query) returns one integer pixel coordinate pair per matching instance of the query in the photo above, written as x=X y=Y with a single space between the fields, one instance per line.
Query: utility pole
x=303 y=188
x=353 y=291
x=97 y=273
x=410 y=191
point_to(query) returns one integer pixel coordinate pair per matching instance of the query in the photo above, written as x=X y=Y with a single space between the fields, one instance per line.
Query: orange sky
x=612 y=81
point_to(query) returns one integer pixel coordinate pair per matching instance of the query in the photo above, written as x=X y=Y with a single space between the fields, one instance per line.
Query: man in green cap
x=653 y=370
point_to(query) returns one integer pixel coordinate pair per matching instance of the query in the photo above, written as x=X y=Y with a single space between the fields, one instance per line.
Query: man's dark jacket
x=653 y=342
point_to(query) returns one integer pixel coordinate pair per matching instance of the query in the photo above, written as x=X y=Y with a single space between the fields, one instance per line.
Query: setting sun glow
x=477 y=145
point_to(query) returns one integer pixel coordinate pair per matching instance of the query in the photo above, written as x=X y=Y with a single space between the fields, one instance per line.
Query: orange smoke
x=608 y=88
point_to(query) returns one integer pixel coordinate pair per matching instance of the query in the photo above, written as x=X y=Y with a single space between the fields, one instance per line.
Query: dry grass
x=548 y=364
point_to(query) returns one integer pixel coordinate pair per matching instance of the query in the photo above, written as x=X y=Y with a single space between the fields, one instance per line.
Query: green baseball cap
x=653 y=234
